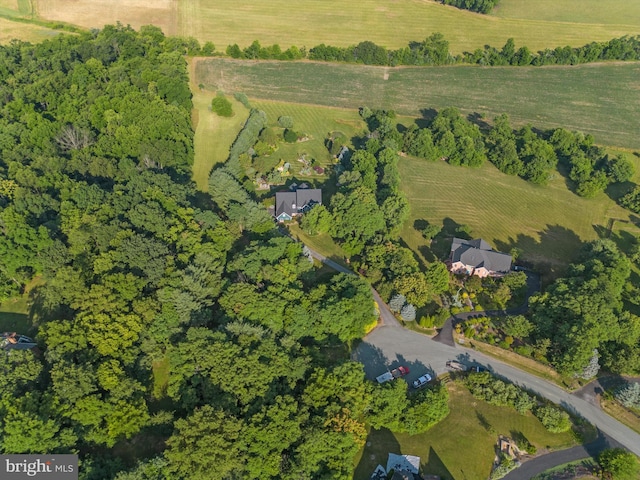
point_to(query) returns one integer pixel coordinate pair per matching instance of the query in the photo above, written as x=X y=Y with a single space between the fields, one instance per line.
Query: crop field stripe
x=601 y=99
x=309 y=23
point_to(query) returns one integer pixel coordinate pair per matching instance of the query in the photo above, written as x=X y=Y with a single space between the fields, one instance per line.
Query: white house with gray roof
x=290 y=204
x=477 y=257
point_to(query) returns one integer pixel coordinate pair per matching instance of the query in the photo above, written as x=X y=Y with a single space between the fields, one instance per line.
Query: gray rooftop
x=478 y=253
x=296 y=202
x=13 y=341
x=285 y=202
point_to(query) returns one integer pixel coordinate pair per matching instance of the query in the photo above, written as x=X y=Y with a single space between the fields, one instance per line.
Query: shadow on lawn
x=435 y=466
x=554 y=238
x=380 y=443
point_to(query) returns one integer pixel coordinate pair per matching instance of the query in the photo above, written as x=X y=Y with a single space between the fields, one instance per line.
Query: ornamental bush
x=553 y=419
x=222 y=106
x=408 y=312
x=290 y=136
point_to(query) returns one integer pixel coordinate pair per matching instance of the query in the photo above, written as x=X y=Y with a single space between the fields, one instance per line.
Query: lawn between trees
x=462 y=445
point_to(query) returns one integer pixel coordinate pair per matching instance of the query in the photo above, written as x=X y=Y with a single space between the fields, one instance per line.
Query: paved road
x=394 y=346
x=391 y=345
x=545 y=462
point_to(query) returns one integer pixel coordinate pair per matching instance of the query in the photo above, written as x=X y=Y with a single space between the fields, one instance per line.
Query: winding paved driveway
x=391 y=345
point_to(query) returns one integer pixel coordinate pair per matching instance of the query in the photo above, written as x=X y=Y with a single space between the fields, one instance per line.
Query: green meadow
x=462 y=446
x=394 y=24
x=601 y=99
x=547 y=223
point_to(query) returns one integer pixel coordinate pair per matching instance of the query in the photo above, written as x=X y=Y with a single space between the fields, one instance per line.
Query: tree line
x=434 y=50
x=526 y=152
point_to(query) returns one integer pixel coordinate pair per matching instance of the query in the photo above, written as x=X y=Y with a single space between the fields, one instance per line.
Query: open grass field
x=539 y=24
x=609 y=12
x=214 y=135
x=462 y=446
x=23 y=31
x=547 y=223
x=97 y=13
x=601 y=99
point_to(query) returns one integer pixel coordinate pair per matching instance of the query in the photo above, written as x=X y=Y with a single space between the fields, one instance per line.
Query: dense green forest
x=189 y=334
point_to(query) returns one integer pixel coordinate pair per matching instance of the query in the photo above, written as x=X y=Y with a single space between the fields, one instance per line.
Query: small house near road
x=477 y=257
x=298 y=202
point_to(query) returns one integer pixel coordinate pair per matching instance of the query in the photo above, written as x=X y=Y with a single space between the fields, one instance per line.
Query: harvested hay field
x=97 y=13
x=392 y=24
x=601 y=99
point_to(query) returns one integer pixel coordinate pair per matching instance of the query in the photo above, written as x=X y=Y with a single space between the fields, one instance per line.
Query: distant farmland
x=601 y=99
x=538 y=24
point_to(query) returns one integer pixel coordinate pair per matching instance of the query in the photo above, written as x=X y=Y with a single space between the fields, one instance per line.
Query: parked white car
x=422 y=381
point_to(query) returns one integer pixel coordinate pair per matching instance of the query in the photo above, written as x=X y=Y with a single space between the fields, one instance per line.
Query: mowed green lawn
x=611 y=12
x=601 y=99
x=395 y=23
x=461 y=446
x=214 y=135
x=547 y=223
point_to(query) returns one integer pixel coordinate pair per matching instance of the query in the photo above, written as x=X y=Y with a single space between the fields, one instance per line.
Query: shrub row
x=484 y=386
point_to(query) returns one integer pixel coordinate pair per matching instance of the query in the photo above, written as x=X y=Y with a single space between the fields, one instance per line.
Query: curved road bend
x=535 y=466
x=390 y=343
x=394 y=345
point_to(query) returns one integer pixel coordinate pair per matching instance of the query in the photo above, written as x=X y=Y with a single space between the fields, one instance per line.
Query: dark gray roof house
x=13 y=341
x=290 y=204
x=477 y=257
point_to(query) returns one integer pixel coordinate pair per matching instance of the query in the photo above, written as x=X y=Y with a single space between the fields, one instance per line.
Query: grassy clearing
x=461 y=446
x=14 y=316
x=27 y=32
x=160 y=370
x=547 y=223
x=629 y=418
x=214 y=135
x=574 y=97
x=316 y=124
x=321 y=243
x=611 y=12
